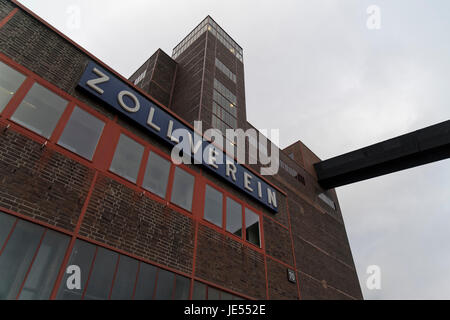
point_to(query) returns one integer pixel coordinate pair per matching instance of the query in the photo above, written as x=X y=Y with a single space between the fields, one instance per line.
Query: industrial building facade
x=83 y=186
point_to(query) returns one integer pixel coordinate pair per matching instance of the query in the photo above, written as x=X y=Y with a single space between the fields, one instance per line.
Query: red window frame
x=244 y=206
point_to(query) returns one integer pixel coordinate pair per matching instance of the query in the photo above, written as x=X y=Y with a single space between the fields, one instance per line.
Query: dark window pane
x=81 y=256
x=10 y=81
x=213 y=294
x=199 y=291
x=226 y=296
x=42 y=277
x=125 y=279
x=183 y=189
x=213 y=206
x=6 y=224
x=102 y=275
x=164 y=287
x=146 y=282
x=16 y=259
x=157 y=175
x=182 y=286
x=127 y=159
x=234 y=217
x=252 y=227
x=82 y=133
x=40 y=110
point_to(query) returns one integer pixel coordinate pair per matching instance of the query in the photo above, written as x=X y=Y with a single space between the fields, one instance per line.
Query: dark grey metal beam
x=407 y=151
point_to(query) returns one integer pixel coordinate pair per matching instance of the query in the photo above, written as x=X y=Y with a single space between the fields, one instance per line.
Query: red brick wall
x=41 y=183
x=121 y=218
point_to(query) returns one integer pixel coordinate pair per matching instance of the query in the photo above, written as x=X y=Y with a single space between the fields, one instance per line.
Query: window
x=100 y=280
x=104 y=272
x=127 y=159
x=18 y=269
x=225 y=104
x=42 y=276
x=200 y=290
x=124 y=282
x=146 y=282
x=182 y=287
x=165 y=285
x=157 y=175
x=225 y=92
x=252 y=227
x=82 y=256
x=213 y=294
x=226 y=117
x=213 y=206
x=10 y=81
x=6 y=223
x=82 y=133
x=225 y=70
x=40 y=111
x=325 y=198
x=234 y=217
x=17 y=257
x=183 y=189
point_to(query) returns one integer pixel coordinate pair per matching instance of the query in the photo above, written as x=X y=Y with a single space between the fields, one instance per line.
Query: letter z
x=93 y=83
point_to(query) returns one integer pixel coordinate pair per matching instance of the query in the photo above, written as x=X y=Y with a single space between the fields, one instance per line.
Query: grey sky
x=315 y=71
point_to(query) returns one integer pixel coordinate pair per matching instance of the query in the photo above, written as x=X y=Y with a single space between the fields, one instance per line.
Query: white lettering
x=231 y=170
x=247 y=181
x=74 y=280
x=94 y=82
x=212 y=157
x=150 y=120
x=137 y=104
x=169 y=133
x=272 y=197
x=259 y=190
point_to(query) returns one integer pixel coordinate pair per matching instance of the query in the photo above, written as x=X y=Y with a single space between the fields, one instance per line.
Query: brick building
x=85 y=184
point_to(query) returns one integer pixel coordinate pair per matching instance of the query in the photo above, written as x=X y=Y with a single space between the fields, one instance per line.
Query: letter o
x=137 y=104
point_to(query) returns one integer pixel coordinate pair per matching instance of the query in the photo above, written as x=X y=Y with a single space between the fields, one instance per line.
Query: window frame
x=91 y=112
x=223 y=229
x=19 y=96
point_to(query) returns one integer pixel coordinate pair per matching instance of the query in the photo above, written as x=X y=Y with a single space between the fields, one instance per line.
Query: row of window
x=220 y=112
x=41 y=110
x=140 y=78
x=225 y=70
x=228 y=106
x=232 y=217
x=219 y=87
x=205 y=292
x=106 y=274
x=127 y=161
x=209 y=25
x=225 y=39
x=31 y=257
x=190 y=39
x=327 y=200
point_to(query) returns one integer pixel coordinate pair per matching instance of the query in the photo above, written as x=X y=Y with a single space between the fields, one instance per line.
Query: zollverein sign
x=130 y=103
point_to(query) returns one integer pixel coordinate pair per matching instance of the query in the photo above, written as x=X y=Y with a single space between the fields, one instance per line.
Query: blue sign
x=129 y=102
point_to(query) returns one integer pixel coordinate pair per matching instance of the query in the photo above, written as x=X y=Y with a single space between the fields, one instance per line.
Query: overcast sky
x=314 y=70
